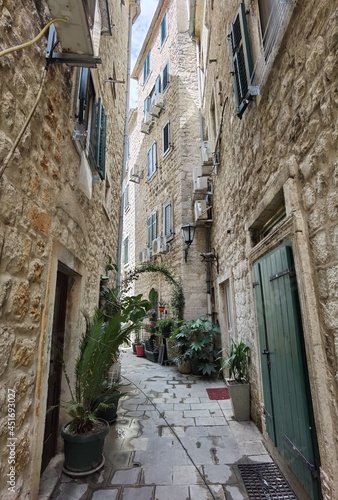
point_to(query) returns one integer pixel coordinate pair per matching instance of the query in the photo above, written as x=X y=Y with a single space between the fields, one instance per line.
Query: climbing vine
x=177 y=301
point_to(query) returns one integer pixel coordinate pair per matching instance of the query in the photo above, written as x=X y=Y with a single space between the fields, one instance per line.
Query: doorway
x=55 y=371
x=286 y=389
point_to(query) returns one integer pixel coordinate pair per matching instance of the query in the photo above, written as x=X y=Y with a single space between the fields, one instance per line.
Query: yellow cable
x=28 y=44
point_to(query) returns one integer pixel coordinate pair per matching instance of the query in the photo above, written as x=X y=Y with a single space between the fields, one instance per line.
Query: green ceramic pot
x=84 y=453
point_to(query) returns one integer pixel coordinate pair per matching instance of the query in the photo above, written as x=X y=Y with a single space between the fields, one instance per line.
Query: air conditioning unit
x=201 y=210
x=145 y=254
x=145 y=128
x=148 y=119
x=157 y=104
x=147 y=122
x=157 y=246
x=207 y=152
x=200 y=184
x=81 y=33
x=135 y=174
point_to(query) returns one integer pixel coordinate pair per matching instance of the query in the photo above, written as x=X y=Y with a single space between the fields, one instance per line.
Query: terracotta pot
x=140 y=350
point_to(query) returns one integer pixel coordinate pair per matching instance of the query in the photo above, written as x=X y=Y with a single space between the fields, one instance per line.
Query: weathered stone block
x=320 y=247
x=7 y=339
x=20 y=300
x=308 y=196
x=332 y=205
x=40 y=220
x=5 y=287
x=23 y=352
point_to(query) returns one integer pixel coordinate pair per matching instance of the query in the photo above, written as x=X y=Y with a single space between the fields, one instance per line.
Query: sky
x=139 y=32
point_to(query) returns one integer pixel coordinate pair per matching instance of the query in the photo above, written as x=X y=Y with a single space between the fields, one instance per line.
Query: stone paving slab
x=169 y=442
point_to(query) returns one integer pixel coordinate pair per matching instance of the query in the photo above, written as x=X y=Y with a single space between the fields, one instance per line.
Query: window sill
x=151 y=176
x=167 y=152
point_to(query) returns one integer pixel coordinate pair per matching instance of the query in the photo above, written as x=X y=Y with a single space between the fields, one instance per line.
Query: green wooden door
x=287 y=400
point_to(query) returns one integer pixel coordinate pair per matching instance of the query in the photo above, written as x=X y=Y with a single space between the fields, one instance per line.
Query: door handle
x=266 y=352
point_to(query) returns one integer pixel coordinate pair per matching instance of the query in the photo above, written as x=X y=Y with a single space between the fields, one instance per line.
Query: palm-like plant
x=110 y=327
x=237 y=361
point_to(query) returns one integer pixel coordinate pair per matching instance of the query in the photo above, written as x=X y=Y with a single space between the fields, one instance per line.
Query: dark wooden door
x=287 y=399
x=55 y=371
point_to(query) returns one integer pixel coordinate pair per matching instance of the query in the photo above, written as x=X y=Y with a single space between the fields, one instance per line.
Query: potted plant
x=237 y=362
x=111 y=395
x=195 y=341
x=85 y=433
x=164 y=326
x=161 y=306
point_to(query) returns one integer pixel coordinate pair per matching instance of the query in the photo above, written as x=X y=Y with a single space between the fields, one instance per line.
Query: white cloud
x=139 y=32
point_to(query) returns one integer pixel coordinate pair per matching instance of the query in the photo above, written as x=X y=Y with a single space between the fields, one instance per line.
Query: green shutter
x=149 y=230
x=241 y=60
x=83 y=95
x=98 y=139
x=167 y=219
x=165 y=79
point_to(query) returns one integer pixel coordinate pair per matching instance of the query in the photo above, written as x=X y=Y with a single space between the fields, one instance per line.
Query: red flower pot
x=140 y=350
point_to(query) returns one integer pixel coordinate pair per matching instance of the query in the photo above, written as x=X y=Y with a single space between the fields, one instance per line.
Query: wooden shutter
x=241 y=61
x=154 y=225
x=166 y=137
x=163 y=29
x=100 y=139
x=146 y=104
x=83 y=95
x=165 y=79
x=167 y=219
x=149 y=230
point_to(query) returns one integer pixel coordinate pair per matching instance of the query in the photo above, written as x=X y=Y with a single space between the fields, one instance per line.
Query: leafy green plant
x=177 y=301
x=165 y=325
x=110 y=326
x=195 y=340
x=237 y=361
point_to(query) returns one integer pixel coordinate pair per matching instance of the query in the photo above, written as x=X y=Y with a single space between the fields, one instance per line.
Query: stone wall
x=45 y=218
x=173 y=177
x=286 y=142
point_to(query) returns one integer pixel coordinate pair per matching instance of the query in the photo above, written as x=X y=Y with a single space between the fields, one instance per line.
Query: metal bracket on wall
x=211 y=257
x=81 y=60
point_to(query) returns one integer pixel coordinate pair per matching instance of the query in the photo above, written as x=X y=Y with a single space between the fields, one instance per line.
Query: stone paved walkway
x=170 y=442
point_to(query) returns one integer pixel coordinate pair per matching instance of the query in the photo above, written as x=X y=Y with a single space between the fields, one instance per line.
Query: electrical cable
x=25 y=125
x=28 y=44
x=176 y=435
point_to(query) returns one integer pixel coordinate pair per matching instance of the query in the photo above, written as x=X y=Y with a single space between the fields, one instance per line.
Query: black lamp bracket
x=211 y=257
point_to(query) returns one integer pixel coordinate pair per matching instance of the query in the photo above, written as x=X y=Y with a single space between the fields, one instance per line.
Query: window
x=126 y=250
x=154 y=91
x=166 y=139
x=274 y=16
x=152 y=160
x=126 y=202
x=165 y=77
x=167 y=219
x=152 y=228
x=91 y=118
x=146 y=67
x=163 y=29
x=241 y=61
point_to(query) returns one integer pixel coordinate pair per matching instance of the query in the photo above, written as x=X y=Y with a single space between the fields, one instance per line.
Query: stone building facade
x=165 y=146
x=269 y=98
x=58 y=210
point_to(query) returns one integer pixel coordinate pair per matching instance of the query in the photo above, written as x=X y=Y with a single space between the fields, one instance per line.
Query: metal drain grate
x=265 y=482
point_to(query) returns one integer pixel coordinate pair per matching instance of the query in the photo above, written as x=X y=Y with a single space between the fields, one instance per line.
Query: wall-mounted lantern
x=188 y=233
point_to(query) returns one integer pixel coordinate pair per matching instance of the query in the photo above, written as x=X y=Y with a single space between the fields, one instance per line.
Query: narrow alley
x=171 y=441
